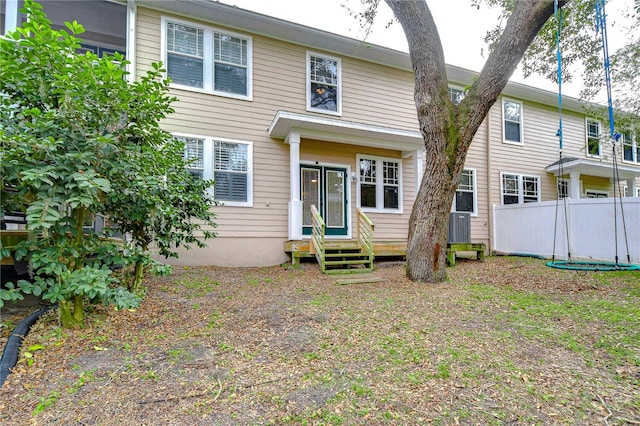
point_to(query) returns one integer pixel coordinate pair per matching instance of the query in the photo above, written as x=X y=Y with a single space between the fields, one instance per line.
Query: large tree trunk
x=448 y=129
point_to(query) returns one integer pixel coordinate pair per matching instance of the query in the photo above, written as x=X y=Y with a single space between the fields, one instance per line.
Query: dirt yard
x=507 y=341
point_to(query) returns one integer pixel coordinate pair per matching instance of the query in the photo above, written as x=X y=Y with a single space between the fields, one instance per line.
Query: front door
x=326 y=188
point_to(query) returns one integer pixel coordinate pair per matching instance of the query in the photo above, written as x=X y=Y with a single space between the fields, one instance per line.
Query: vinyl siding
x=477 y=160
x=372 y=94
x=540 y=148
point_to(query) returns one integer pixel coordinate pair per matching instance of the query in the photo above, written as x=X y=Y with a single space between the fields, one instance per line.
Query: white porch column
x=632 y=188
x=418 y=165
x=295 y=204
x=574 y=185
x=131 y=40
x=10 y=15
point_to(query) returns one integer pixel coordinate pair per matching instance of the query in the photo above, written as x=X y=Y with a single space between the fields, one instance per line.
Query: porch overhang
x=589 y=167
x=285 y=123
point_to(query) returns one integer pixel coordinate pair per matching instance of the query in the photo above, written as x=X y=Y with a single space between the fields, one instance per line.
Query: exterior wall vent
x=460 y=227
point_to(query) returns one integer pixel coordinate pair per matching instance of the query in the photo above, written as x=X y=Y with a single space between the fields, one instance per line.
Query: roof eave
x=340 y=131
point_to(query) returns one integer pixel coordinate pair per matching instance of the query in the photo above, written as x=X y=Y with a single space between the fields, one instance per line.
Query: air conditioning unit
x=460 y=227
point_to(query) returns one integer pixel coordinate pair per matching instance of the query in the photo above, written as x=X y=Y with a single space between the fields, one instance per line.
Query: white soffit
x=340 y=131
x=593 y=168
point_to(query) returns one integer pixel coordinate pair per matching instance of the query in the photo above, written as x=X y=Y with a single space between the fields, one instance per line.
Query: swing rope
x=601 y=27
x=558 y=17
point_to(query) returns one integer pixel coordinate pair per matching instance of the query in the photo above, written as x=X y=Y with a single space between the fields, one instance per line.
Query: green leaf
x=36 y=347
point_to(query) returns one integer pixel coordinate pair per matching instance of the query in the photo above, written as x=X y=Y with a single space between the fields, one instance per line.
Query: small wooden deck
x=299 y=249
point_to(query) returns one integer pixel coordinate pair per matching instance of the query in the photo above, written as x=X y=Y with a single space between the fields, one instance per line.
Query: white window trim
x=475 y=194
x=379 y=184
x=208 y=77
x=635 y=144
x=208 y=158
x=520 y=186
x=586 y=138
x=595 y=192
x=308 y=84
x=504 y=139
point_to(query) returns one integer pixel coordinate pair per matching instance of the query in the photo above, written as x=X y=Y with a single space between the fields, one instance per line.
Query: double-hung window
x=594 y=148
x=203 y=58
x=456 y=94
x=465 y=200
x=379 y=184
x=512 y=121
x=231 y=171
x=194 y=154
x=229 y=163
x=563 y=188
x=517 y=189
x=324 y=85
x=630 y=147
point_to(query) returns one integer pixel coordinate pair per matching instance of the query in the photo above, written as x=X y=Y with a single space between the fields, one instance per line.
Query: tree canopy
x=582 y=55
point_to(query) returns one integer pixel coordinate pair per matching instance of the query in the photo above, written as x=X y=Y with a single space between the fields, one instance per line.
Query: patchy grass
x=504 y=341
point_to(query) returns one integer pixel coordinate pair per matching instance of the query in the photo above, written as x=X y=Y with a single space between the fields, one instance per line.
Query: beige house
x=285 y=116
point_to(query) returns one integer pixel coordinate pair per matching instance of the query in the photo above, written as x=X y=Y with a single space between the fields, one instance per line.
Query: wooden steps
x=345 y=259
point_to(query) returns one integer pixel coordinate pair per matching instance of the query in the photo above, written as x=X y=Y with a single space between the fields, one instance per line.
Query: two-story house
x=283 y=116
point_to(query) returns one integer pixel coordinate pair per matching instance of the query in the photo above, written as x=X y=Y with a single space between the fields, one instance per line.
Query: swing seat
x=577 y=265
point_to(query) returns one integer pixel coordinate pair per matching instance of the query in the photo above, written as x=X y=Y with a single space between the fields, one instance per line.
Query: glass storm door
x=326 y=188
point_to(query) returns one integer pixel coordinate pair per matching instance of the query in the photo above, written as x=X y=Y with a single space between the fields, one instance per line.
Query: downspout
x=418 y=164
x=11 y=14
x=489 y=185
x=131 y=40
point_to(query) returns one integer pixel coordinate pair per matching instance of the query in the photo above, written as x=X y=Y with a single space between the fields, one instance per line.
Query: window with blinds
x=194 y=154
x=228 y=163
x=204 y=58
x=230 y=171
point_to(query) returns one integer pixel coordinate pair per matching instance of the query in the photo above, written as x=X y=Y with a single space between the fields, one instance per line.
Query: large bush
x=79 y=140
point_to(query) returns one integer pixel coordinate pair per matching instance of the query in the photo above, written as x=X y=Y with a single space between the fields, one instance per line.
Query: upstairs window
x=324 y=91
x=456 y=95
x=630 y=147
x=379 y=184
x=465 y=200
x=198 y=57
x=518 y=189
x=512 y=117
x=594 y=148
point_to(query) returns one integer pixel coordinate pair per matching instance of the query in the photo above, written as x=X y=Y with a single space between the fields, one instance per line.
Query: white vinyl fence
x=529 y=229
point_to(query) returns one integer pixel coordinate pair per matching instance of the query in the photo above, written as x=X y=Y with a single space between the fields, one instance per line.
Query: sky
x=461 y=27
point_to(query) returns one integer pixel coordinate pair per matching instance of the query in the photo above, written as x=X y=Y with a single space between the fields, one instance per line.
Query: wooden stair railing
x=365 y=236
x=317 y=246
x=342 y=256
